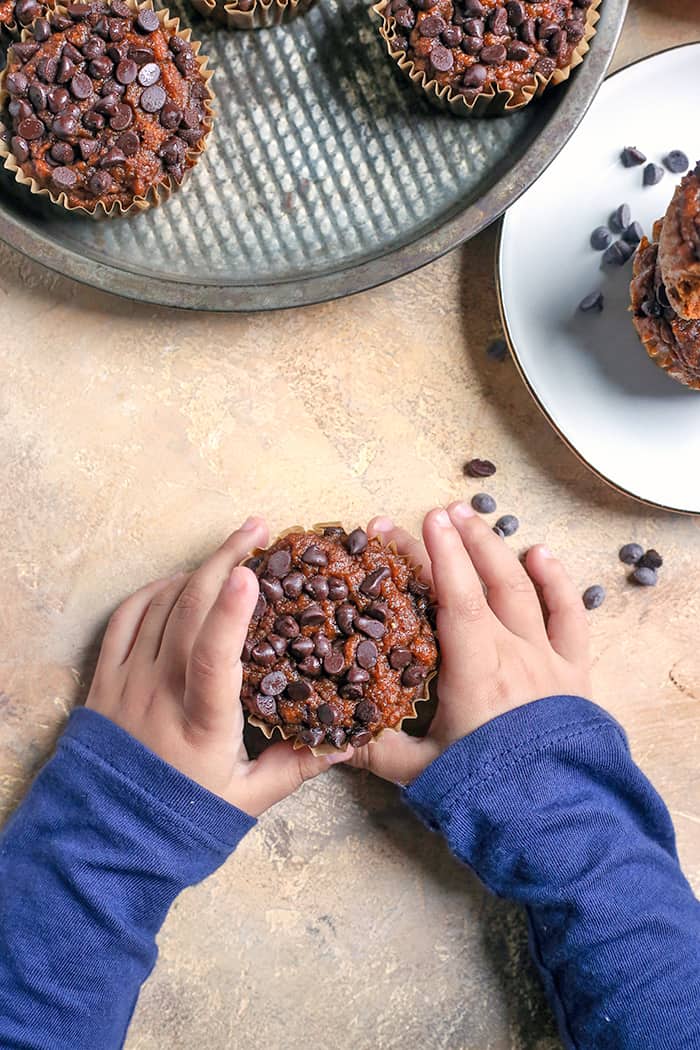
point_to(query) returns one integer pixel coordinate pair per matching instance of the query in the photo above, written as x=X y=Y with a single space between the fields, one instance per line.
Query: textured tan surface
x=132 y=439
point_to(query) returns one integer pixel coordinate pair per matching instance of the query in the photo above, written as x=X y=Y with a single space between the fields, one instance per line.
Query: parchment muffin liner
x=158 y=193
x=493 y=102
x=262 y=15
x=328 y=749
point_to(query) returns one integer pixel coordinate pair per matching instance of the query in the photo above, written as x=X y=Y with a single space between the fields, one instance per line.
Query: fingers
x=510 y=592
x=150 y=632
x=279 y=771
x=213 y=675
x=124 y=624
x=193 y=604
x=405 y=543
x=396 y=757
x=567 y=625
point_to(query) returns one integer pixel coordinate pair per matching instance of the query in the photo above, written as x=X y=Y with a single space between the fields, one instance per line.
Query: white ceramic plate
x=635 y=427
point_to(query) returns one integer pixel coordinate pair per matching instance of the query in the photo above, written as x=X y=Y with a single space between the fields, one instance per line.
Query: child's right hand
x=497 y=652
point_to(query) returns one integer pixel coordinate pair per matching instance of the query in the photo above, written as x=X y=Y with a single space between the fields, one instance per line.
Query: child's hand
x=169 y=673
x=497 y=652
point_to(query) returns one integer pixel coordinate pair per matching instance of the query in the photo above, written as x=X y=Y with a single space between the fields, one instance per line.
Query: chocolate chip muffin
x=252 y=14
x=471 y=53
x=105 y=106
x=672 y=342
x=341 y=644
x=679 y=248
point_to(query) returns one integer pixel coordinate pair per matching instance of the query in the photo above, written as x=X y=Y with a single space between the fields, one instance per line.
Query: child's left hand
x=169 y=673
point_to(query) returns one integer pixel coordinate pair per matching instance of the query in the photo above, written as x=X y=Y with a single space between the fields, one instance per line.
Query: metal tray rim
x=305 y=291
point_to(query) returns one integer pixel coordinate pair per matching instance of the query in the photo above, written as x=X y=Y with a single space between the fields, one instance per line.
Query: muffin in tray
x=104 y=106
x=679 y=248
x=341 y=645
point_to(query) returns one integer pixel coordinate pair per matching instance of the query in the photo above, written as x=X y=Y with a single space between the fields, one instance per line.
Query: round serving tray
x=325 y=175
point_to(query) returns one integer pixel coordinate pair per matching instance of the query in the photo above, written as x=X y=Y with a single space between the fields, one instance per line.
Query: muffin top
x=679 y=247
x=672 y=342
x=341 y=641
x=105 y=102
x=478 y=46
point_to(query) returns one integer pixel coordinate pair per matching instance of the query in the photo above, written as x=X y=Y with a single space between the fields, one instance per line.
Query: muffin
x=672 y=342
x=341 y=644
x=479 y=55
x=679 y=248
x=252 y=14
x=105 y=107
x=16 y=14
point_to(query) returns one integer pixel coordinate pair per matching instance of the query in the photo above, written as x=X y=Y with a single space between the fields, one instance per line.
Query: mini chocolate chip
x=631 y=553
x=412 y=676
x=337 y=589
x=633 y=234
x=366 y=654
x=147 y=21
x=452 y=37
x=653 y=174
x=360 y=737
x=618 y=253
x=322 y=646
x=400 y=657
x=94 y=47
x=301 y=647
x=266 y=706
x=170 y=116
x=367 y=712
x=528 y=32
x=516 y=12
x=263 y=654
x=518 y=51
x=31 y=129
x=336 y=736
x=310 y=665
x=149 y=74
x=498 y=21
x=474 y=27
x=508 y=524
x=81 y=86
x=313 y=555
x=272 y=589
x=357 y=676
x=17 y=84
x=644 y=577
x=152 y=99
x=405 y=17
x=483 y=503
x=62 y=153
x=127 y=71
x=593 y=301
x=38 y=95
x=142 y=55
x=101 y=67
x=620 y=218
x=20 y=148
x=631 y=157
x=278 y=643
x=273 y=683
x=651 y=559
x=312 y=616
x=378 y=611
x=357 y=541
x=100 y=183
x=299 y=690
x=676 y=161
x=372 y=628
x=594 y=596
x=351 y=692
x=493 y=55
x=311 y=737
x=293 y=584
x=479 y=468
x=279 y=563
x=334 y=662
x=372 y=583
x=286 y=626
x=345 y=618
x=122 y=119
x=317 y=587
x=601 y=238
x=113 y=158
x=475 y=76
x=128 y=143
x=42 y=30
x=432 y=26
x=63 y=178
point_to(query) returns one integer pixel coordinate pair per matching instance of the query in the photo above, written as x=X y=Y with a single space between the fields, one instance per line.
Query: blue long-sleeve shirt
x=544 y=803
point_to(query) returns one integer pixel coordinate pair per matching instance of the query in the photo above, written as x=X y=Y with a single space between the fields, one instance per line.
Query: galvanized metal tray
x=326 y=174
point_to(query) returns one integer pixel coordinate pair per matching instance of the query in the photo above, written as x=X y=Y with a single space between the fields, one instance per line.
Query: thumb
x=281 y=769
x=396 y=756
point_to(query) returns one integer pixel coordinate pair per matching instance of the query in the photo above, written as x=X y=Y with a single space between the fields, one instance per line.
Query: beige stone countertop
x=132 y=439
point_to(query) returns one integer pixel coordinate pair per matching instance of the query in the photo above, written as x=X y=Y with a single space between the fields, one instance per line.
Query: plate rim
x=428 y=246
x=644 y=500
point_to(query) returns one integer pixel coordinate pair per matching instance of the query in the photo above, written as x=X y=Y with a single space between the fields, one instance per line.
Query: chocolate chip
x=17 y=84
x=141 y=56
x=278 y=643
x=345 y=618
x=20 y=109
x=474 y=27
x=101 y=67
x=311 y=666
x=94 y=47
x=185 y=63
x=127 y=71
x=322 y=646
x=479 y=468
x=299 y=690
x=337 y=589
x=556 y=42
x=81 y=86
x=279 y=563
x=128 y=143
x=360 y=737
x=545 y=67
x=118 y=52
x=593 y=301
x=412 y=676
x=518 y=51
x=266 y=706
x=483 y=503
x=357 y=676
x=31 y=129
x=618 y=253
x=100 y=183
x=37 y=95
x=42 y=30
x=152 y=99
x=58 y=99
x=631 y=157
x=317 y=587
x=633 y=233
x=367 y=712
x=498 y=21
x=62 y=153
x=621 y=218
x=653 y=174
x=273 y=683
x=172 y=151
x=378 y=611
x=528 y=31
x=631 y=553
x=311 y=737
x=170 y=116
x=63 y=179
x=432 y=26
x=475 y=76
x=326 y=714
x=471 y=45
x=334 y=662
x=405 y=17
x=336 y=736
x=357 y=541
x=452 y=37
x=644 y=577
x=650 y=308
x=272 y=589
x=516 y=12
x=351 y=692
x=508 y=524
x=26 y=11
x=247 y=645
x=601 y=238
x=286 y=626
x=293 y=584
x=88 y=148
x=313 y=555
x=594 y=596
x=122 y=119
x=400 y=657
x=372 y=628
x=147 y=21
x=651 y=559
x=474 y=8
x=575 y=29
x=493 y=55
x=113 y=158
x=301 y=647
x=676 y=161
x=372 y=583
x=263 y=654
x=312 y=616
x=148 y=74
x=366 y=654
x=20 y=148
x=93 y=120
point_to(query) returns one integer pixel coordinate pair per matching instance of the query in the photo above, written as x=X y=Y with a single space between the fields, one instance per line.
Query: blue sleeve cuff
x=499 y=745
x=153 y=782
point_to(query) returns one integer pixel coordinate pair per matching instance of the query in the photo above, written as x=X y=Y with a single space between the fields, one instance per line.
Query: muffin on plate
x=679 y=247
x=104 y=107
x=478 y=56
x=341 y=645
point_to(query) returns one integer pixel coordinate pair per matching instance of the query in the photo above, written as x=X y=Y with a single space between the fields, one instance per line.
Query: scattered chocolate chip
x=676 y=161
x=279 y=563
x=372 y=583
x=278 y=643
x=653 y=174
x=631 y=157
x=620 y=218
x=498 y=21
x=594 y=596
x=479 y=468
x=483 y=503
x=30 y=129
x=452 y=37
x=366 y=654
x=372 y=628
x=263 y=654
x=20 y=148
x=152 y=99
x=293 y=584
x=122 y=118
x=170 y=116
x=299 y=690
x=367 y=712
x=357 y=676
x=334 y=662
x=310 y=666
x=601 y=238
x=62 y=153
x=271 y=588
x=322 y=646
x=593 y=301
x=148 y=74
x=508 y=524
x=357 y=541
x=315 y=556
x=518 y=51
x=301 y=647
x=400 y=657
x=618 y=253
x=516 y=12
x=432 y=26
x=266 y=705
x=147 y=21
x=317 y=587
x=63 y=179
x=113 y=158
x=311 y=737
x=336 y=736
x=326 y=714
x=311 y=616
x=441 y=58
x=633 y=233
x=644 y=576
x=273 y=683
x=378 y=611
x=345 y=618
x=128 y=143
x=493 y=55
x=337 y=589
x=286 y=626
x=651 y=559
x=412 y=676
